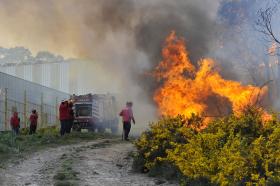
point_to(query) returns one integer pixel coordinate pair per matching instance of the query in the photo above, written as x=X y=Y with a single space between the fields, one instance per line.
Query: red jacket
x=127 y=114
x=63 y=111
x=33 y=119
x=71 y=113
x=15 y=121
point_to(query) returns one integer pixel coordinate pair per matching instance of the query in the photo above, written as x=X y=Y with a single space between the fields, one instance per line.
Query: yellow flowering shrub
x=229 y=151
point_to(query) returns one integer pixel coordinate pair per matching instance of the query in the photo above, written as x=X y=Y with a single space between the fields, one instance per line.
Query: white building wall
x=28 y=75
x=46 y=75
x=64 y=77
x=53 y=75
x=11 y=70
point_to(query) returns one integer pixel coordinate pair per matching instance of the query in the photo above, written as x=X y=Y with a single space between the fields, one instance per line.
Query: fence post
x=42 y=109
x=56 y=111
x=25 y=109
x=6 y=109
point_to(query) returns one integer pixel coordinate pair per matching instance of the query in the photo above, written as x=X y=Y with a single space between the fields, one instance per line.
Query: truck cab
x=95 y=111
x=82 y=106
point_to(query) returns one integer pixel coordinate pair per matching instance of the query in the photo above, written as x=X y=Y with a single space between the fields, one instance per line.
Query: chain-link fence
x=24 y=96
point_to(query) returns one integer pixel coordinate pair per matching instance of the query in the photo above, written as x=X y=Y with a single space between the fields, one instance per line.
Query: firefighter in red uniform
x=127 y=116
x=63 y=116
x=70 y=119
x=33 y=119
x=15 y=123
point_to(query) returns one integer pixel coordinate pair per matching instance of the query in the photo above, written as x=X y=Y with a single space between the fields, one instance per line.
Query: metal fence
x=23 y=96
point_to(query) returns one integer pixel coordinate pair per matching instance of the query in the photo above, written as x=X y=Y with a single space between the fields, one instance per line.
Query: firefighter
x=63 y=117
x=127 y=116
x=15 y=123
x=33 y=122
x=70 y=117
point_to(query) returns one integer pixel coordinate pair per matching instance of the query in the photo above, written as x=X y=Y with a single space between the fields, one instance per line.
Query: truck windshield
x=83 y=110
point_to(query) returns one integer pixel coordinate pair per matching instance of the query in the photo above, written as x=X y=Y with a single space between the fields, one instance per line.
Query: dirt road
x=102 y=162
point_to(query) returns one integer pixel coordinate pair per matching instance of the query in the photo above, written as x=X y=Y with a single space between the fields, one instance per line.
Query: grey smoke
x=123 y=38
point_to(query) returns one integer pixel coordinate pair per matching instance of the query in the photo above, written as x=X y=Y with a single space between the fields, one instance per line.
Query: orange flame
x=201 y=90
x=273 y=49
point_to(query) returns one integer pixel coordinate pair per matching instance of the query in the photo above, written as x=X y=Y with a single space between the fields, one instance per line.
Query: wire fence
x=23 y=96
x=48 y=114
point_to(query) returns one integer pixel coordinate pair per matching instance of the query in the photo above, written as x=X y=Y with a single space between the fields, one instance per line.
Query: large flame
x=187 y=89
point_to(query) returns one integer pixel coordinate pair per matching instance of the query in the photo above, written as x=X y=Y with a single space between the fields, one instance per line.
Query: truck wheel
x=76 y=128
x=101 y=129
x=114 y=130
x=92 y=129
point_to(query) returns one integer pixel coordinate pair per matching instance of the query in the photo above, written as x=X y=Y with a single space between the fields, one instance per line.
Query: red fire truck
x=95 y=111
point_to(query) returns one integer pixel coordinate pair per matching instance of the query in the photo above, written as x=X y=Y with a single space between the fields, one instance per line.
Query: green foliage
x=229 y=151
x=66 y=175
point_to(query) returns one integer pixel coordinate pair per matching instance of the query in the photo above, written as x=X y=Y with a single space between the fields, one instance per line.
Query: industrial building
x=53 y=75
x=44 y=68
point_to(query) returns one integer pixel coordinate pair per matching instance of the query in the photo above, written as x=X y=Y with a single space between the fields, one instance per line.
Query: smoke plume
x=120 y=40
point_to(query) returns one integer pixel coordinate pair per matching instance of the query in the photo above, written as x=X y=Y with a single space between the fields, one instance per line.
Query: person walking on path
x=63 y=117
x=33 y=119
x=15 y=123
x=127 y=116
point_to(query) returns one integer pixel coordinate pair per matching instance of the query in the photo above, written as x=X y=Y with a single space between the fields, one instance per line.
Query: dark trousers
x=32 y=129
x=63 y=126
x=15 y=130
x=126 y=129
x=69 y=126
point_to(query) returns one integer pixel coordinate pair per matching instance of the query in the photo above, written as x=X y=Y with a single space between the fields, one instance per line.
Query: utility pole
x=56 y=111
x=42 y=109
x=6 y=108
x=25 y=109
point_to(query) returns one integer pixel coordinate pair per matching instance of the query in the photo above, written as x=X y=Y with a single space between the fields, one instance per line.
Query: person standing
x=70 y=118
x=63 y=116
x=33 y=119
x=127 y=116
x=15 y=123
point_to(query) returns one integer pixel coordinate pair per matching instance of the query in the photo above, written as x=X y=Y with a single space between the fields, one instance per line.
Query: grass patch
x=66 y=175
x=16 y=146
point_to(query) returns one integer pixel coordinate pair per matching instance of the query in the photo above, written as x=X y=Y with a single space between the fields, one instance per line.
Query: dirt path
x=101 y=162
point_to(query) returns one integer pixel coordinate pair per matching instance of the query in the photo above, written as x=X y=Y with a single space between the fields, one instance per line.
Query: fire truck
x=95 y=111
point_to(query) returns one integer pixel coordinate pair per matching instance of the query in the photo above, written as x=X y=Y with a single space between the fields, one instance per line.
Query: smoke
x=119 y=40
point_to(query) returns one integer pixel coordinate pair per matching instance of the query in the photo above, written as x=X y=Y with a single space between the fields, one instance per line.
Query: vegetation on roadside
x=66 y=175
x=13 y=147
x=229 y=151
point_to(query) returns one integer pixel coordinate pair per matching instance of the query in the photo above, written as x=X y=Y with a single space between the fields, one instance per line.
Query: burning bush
x=229 y=151
x=187 y=88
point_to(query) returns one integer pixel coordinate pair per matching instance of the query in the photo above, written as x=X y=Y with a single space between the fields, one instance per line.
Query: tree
x=264 y=24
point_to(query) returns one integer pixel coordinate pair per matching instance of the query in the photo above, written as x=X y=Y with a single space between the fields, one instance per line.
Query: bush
x=229 y=151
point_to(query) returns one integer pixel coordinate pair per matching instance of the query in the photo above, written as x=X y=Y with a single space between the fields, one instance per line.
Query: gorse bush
x=229 y=151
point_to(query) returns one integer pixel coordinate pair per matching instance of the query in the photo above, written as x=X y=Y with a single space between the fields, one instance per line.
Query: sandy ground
x=101 y=162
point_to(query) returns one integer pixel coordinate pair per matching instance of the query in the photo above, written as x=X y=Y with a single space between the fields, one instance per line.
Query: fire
x=187 y=89
x=273 y=49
